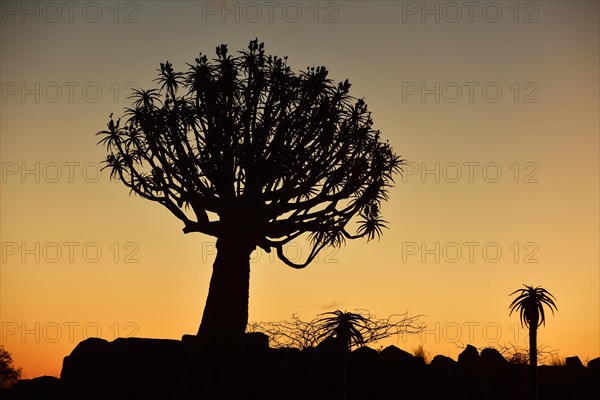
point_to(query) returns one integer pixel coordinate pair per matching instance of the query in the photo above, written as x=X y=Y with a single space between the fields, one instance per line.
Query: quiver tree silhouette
x=243 y=149
x=347 y=327
x=356 y=329
x=530 y=304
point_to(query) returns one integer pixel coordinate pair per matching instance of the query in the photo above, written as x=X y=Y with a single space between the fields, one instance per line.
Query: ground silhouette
x=135 y=368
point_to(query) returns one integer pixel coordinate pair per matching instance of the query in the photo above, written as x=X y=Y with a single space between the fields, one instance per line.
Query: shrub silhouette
x=353 y=329
x=243 y=149
x=516 y=354
x=422 y=353
x=9 y=374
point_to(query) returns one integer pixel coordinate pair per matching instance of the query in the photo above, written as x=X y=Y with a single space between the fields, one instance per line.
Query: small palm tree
x=530 y=304
x=345 y=326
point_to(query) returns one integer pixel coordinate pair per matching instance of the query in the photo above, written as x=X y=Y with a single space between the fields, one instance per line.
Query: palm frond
x=530 y=303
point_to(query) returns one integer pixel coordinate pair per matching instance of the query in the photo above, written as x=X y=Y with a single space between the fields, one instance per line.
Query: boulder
x=42 y=387
x=365 y=354
x=256 y=342
x=141 y=366
x=441 y=361
x=398 y=357
x=329 y=346
x=594 y=364
x=443 y=378
x=286 y=355
x=469 y=357
x=88 y=359
x=573 y=362
x=365 y=364
x=491 y=358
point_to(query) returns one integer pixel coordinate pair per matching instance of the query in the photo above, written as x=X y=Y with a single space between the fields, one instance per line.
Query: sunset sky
x=494 y=105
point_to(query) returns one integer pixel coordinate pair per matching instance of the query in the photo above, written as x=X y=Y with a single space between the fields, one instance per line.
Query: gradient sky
x=494 y=105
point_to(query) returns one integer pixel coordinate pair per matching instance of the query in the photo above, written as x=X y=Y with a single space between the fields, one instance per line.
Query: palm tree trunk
x=533 y=358
x=344 y=350
x=226 y=311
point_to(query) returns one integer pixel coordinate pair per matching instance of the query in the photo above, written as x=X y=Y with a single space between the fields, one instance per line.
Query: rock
x=573 y=362
x=42 y=387
x=329 y=345
x=365 y=353
x=86 y=360
x=189 y=338
x=256 y=342
x=144 y=367
x=443 y=378
x=469 y=357
x=394 y=355
x=285 y=360
x=441 y=361
x=594 y=364
x=365 y=359
x=287 y=354
x=491 y=358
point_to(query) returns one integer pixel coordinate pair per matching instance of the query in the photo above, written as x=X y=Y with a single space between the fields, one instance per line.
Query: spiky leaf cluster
x=530 y=304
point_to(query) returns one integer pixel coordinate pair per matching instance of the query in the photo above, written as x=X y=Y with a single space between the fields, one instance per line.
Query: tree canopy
x=241 y=145
x=9 y=374
x=530 y=304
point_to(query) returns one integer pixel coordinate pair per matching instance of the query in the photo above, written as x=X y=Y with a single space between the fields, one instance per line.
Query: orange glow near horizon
x=496 y=116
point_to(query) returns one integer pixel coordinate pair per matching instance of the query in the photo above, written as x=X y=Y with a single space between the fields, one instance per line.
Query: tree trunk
x=226 y=311
x=533 y=358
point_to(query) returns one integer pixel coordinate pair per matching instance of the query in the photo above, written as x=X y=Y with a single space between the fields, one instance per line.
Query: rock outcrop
x=136 y=368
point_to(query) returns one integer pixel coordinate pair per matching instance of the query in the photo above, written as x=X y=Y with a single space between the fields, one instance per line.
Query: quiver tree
x=530 y=303
x=243 y=149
